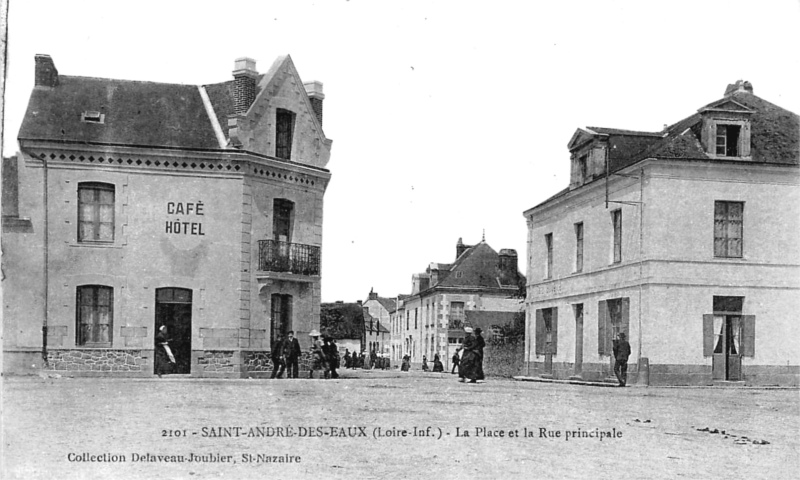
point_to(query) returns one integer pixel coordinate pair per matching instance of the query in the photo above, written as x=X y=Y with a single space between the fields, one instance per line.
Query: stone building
x=142 y=204
x=685 y=239
x=380 y=309
x=432 y=318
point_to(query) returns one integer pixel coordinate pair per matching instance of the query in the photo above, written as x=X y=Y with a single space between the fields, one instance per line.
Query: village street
x=354 y=428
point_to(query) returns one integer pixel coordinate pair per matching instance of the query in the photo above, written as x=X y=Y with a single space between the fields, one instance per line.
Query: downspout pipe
x=46 y=280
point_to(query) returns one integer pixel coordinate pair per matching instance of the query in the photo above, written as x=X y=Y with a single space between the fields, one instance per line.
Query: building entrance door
x=174 y=309
x=726 y=361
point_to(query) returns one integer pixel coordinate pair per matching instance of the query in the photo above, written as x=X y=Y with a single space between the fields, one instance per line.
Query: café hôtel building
x=137 y=204
x=685 y=240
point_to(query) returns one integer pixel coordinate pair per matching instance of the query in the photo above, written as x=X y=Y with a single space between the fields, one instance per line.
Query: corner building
x=141 y=204
x=685 y=239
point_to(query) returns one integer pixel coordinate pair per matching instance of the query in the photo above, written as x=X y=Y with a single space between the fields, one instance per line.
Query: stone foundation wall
x=97 y=360
x=260 y=363
x=217 y=362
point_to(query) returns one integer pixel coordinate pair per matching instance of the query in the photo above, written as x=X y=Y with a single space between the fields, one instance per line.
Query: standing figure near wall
x=318 y=359
x=163 y=358
x=468 y=367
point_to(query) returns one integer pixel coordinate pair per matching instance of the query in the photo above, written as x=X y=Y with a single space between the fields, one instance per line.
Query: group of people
x=470 y=360
x=285 y=355
x=437 y=364
x=362 y=360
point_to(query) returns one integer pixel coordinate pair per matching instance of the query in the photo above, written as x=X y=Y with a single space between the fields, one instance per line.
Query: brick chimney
x=314 y=92
x=372 y=295
x=244 y=84
x=46 y=73
x=461 y=248
x=507 y=266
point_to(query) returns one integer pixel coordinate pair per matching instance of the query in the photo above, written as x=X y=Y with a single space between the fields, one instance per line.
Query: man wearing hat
x=622 y=350
x=292 y=352
x=318 y=360
x=468 y=367
x=480 y=343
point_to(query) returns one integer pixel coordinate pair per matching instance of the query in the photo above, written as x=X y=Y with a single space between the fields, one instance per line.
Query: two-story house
x=142 y=204
x=685 y=239
x=480 y=281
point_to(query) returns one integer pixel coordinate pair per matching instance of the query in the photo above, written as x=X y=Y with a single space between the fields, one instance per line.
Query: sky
x=448 y=118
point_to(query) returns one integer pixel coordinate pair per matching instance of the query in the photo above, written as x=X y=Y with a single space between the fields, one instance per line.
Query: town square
x=414 y=239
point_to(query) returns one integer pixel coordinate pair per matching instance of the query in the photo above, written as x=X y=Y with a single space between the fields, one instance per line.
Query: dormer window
x=728 y=140
x=582 y=168
x=91 y=116
x=284 y=128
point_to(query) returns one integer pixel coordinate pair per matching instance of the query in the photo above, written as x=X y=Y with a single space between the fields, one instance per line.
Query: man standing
x=278 y=358
x=455 y=360
x=291 y=351
x=622 y=350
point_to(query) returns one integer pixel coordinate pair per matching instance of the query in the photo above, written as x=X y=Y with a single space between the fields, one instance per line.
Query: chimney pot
x=46 y=72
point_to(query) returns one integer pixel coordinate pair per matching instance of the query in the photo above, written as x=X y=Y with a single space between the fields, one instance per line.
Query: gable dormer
x=281 y=115
x=725 y=130
x=587 y=150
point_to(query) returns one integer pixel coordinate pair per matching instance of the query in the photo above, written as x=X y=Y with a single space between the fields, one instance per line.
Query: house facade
x=197 y=207
x=432 y=318
x=688 y=246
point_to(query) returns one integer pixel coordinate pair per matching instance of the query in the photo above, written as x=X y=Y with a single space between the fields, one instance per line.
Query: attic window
x=91 y=116
x=728 y=140
x=459 y=274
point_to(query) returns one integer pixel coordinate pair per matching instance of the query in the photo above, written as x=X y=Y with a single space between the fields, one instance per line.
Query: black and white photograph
x=351 y=239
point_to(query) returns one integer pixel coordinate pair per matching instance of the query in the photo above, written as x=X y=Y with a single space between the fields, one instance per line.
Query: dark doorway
x=174 y=309
x=727 y=358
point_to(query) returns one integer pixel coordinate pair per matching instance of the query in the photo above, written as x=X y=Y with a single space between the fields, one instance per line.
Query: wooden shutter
x=626 y=317
x=748 y=337
x=539 y=338
x=554 y=331
x=602 y=323
x=708 y=335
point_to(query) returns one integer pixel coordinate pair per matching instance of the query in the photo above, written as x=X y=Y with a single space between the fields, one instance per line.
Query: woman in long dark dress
x=437 y=364
x=468 y=366
x=163 y=362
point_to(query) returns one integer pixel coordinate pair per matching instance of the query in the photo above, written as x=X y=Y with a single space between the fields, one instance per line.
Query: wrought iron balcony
x=276 y=256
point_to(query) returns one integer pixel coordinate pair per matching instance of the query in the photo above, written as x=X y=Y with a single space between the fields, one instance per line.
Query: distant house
x=380 y=309
x=480 y=286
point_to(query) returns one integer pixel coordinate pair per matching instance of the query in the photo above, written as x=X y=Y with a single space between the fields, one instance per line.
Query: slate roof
x=476 y=267
x=136 y=113
x=774 y=137
x=390 y=304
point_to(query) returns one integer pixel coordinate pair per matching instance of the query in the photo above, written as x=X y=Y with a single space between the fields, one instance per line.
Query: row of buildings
x=133 y=205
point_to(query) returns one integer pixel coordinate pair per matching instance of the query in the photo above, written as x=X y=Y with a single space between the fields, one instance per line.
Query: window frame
x=284 y=119
x=725 y=252
x=579 y=230
x=616 y=236
x=548 y=266
x=96 y=204
x=80 y=296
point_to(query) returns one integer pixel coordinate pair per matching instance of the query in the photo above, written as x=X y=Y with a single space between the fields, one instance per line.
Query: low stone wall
x=96 y=360
x=217 y=362
x=260 y=363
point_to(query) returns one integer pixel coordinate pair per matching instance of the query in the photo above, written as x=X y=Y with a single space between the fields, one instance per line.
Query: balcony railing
x=275 y=256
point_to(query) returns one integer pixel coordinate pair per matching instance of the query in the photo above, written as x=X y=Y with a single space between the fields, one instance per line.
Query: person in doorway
x=424 y=363
x=437 y=364
x=622 y=350
x=456 y=358
x=479 y=344
x=164 y=360
x=278 y=357
x=318 y=359
x=291 y=352
x=468 y=366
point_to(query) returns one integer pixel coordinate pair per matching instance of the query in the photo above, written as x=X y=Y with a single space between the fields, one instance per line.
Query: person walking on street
x=622 y=350
x=278 y=358
x=291 y=352
x=437 y=364
x=347 y=359
x=468 y=366
x=479 y=344
x=318 y=360
x=456 y=358
x=332 y=354
x=424 y=363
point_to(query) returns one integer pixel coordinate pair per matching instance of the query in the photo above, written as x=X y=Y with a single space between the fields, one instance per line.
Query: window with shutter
x=708 y=335
x=579 y=247
x=616 y=221
x=554 y=330
x=748 y=336
x=548 y=242
x=539 y=337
